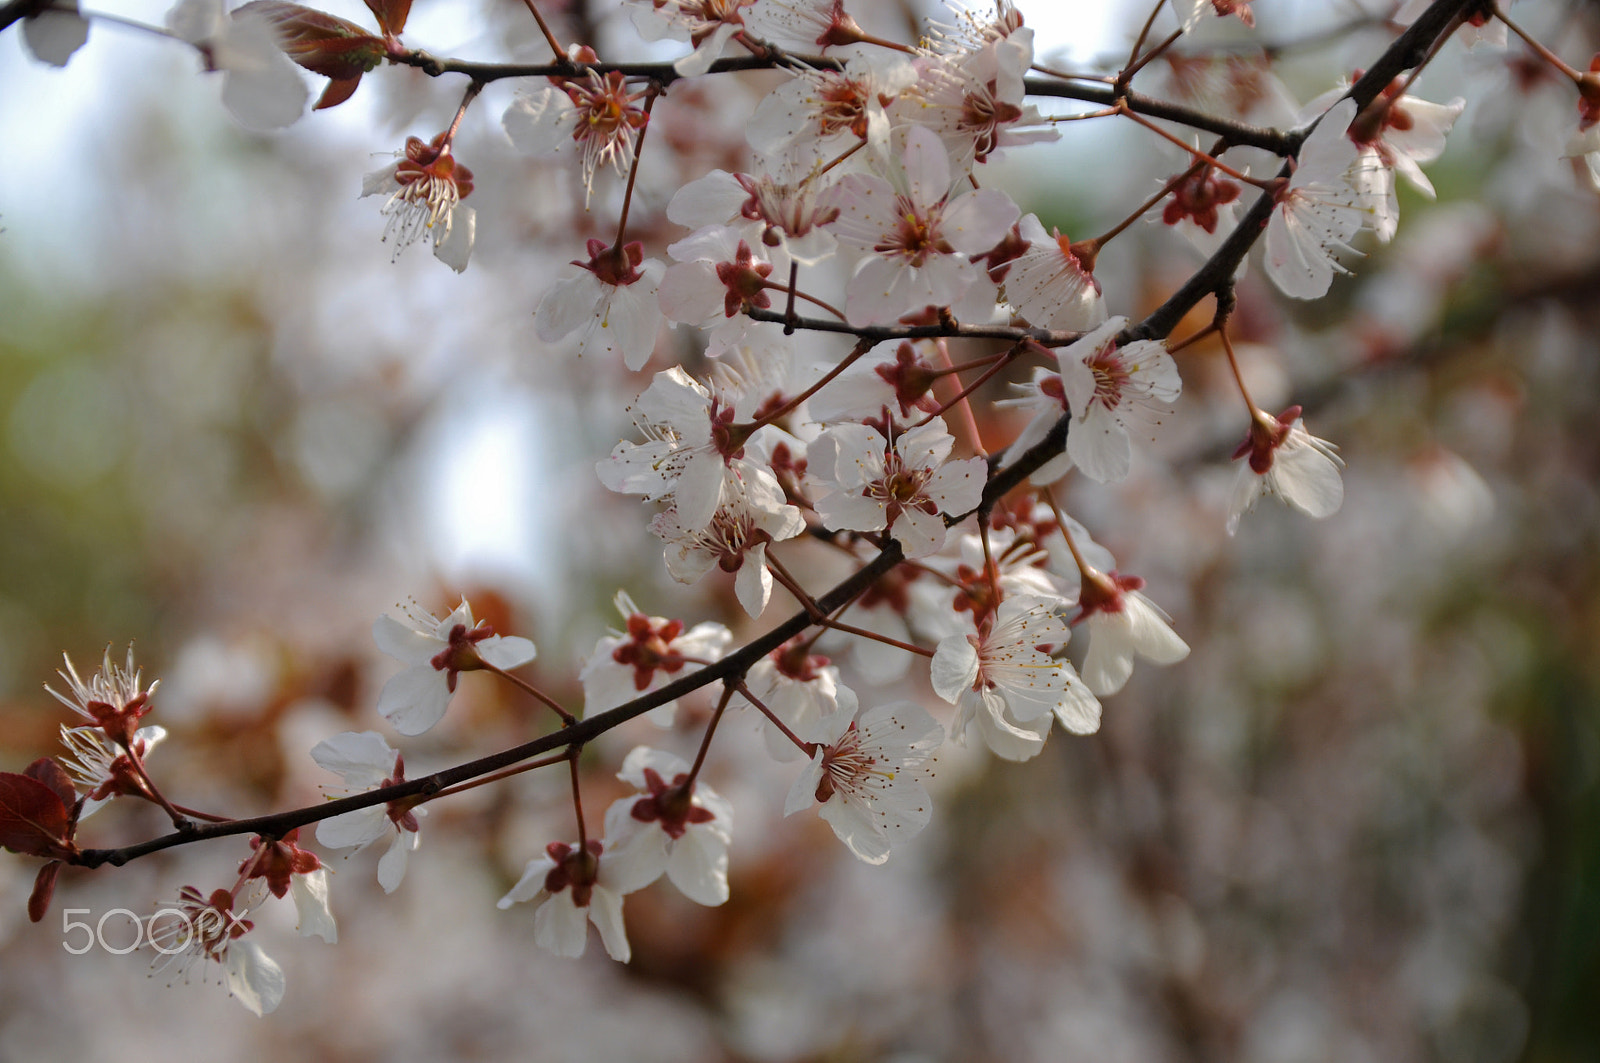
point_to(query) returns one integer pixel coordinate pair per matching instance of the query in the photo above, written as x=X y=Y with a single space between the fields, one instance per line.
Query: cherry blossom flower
x=1107 y=385
x=974 y=99
x=1317 y=210
x=824 y=113
x=751 y=514
x=288 y=869
x=708 y=24
x=1122 y=623
x=915 y=241
x=436 y=651
x=260 y=86
x=1287 y=461
x=897 y=384
x=1205 y=208
x=103 y=770
x=867 y=777
x=674 y=828
x=201 y=928
x=1052 y=285
x=650 y=653
x=1005 y=681
x=784 y=204
x=715 y=277
x=113 y=699
x=694 y=450
x=801 y=689
x=611 y=303
x=596 y=113
x=368 y=763
x=54 y=33
x=425 y=189
x=572 y=886
x=907 y=488
x=1396 y=133
x=1189 y=12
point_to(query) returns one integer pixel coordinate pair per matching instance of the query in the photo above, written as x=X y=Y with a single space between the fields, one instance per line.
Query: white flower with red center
x=916 y=242
x=201 y=928
x=975 y=100
x=1122 y=624
x=425 y=190
x=753 y=512
x=715 y=277
x=1317 y=210
x=611 y=303
x=1108 y=387
x=436 y=652
x=820 y=24
x=895 y=384
x=907 y=488
x=867 y=778
x=367 y=762
x=1287 y=461
x=673 y=826
x=260 y=86
x=784 y=204
x=113 y=699
x=288 y=869
x=694 y=448
x=1189 y=12
x=649 y=653
x=1006 y=679
x=824 y=113
x=571 y=886
x=596 y=113
x=1396 y=133
x=708 y=24
x=103 y=770
x=1052 y=283
x=803 y=691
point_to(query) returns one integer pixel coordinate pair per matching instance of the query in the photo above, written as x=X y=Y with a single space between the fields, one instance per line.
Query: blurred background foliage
x=1359 y=824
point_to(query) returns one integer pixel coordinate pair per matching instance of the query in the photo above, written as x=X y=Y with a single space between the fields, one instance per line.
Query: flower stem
x=567 y=719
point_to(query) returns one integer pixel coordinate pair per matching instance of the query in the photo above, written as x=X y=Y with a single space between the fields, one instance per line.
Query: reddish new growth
x=275 y=861
x=575 y=867
x=746 y=281
x=614 y=266
x=1266 y=435
x=671 y=806
x=648 y=648
x=1198 y=196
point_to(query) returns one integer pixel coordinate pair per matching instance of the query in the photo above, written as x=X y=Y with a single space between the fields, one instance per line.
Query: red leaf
x=391 y=14
x=33 y=818
x=338 y=90
x=47 y=771
x=44 y=887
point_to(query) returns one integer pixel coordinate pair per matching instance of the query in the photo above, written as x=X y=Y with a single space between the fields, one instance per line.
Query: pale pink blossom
x=595 y=114
x=908 y=487
x=708 y=24
x=425 y=189
x=260 y=85
x=435 y=652
x=1109 y=388
x=1122 y=624
x=867 y=777
x=1006 y=680
x=367 y=762
x=200 y=928
x=1317 y=210
x=824 y=113
x=649 y=653
x=671 y=827
x=915 y=239
x=1285 y=460
x=611 y=303
x=803 y=691
x=1051 y=284
x=570 y=887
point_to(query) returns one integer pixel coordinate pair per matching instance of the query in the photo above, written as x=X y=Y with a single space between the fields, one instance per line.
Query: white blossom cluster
x=865 y=176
